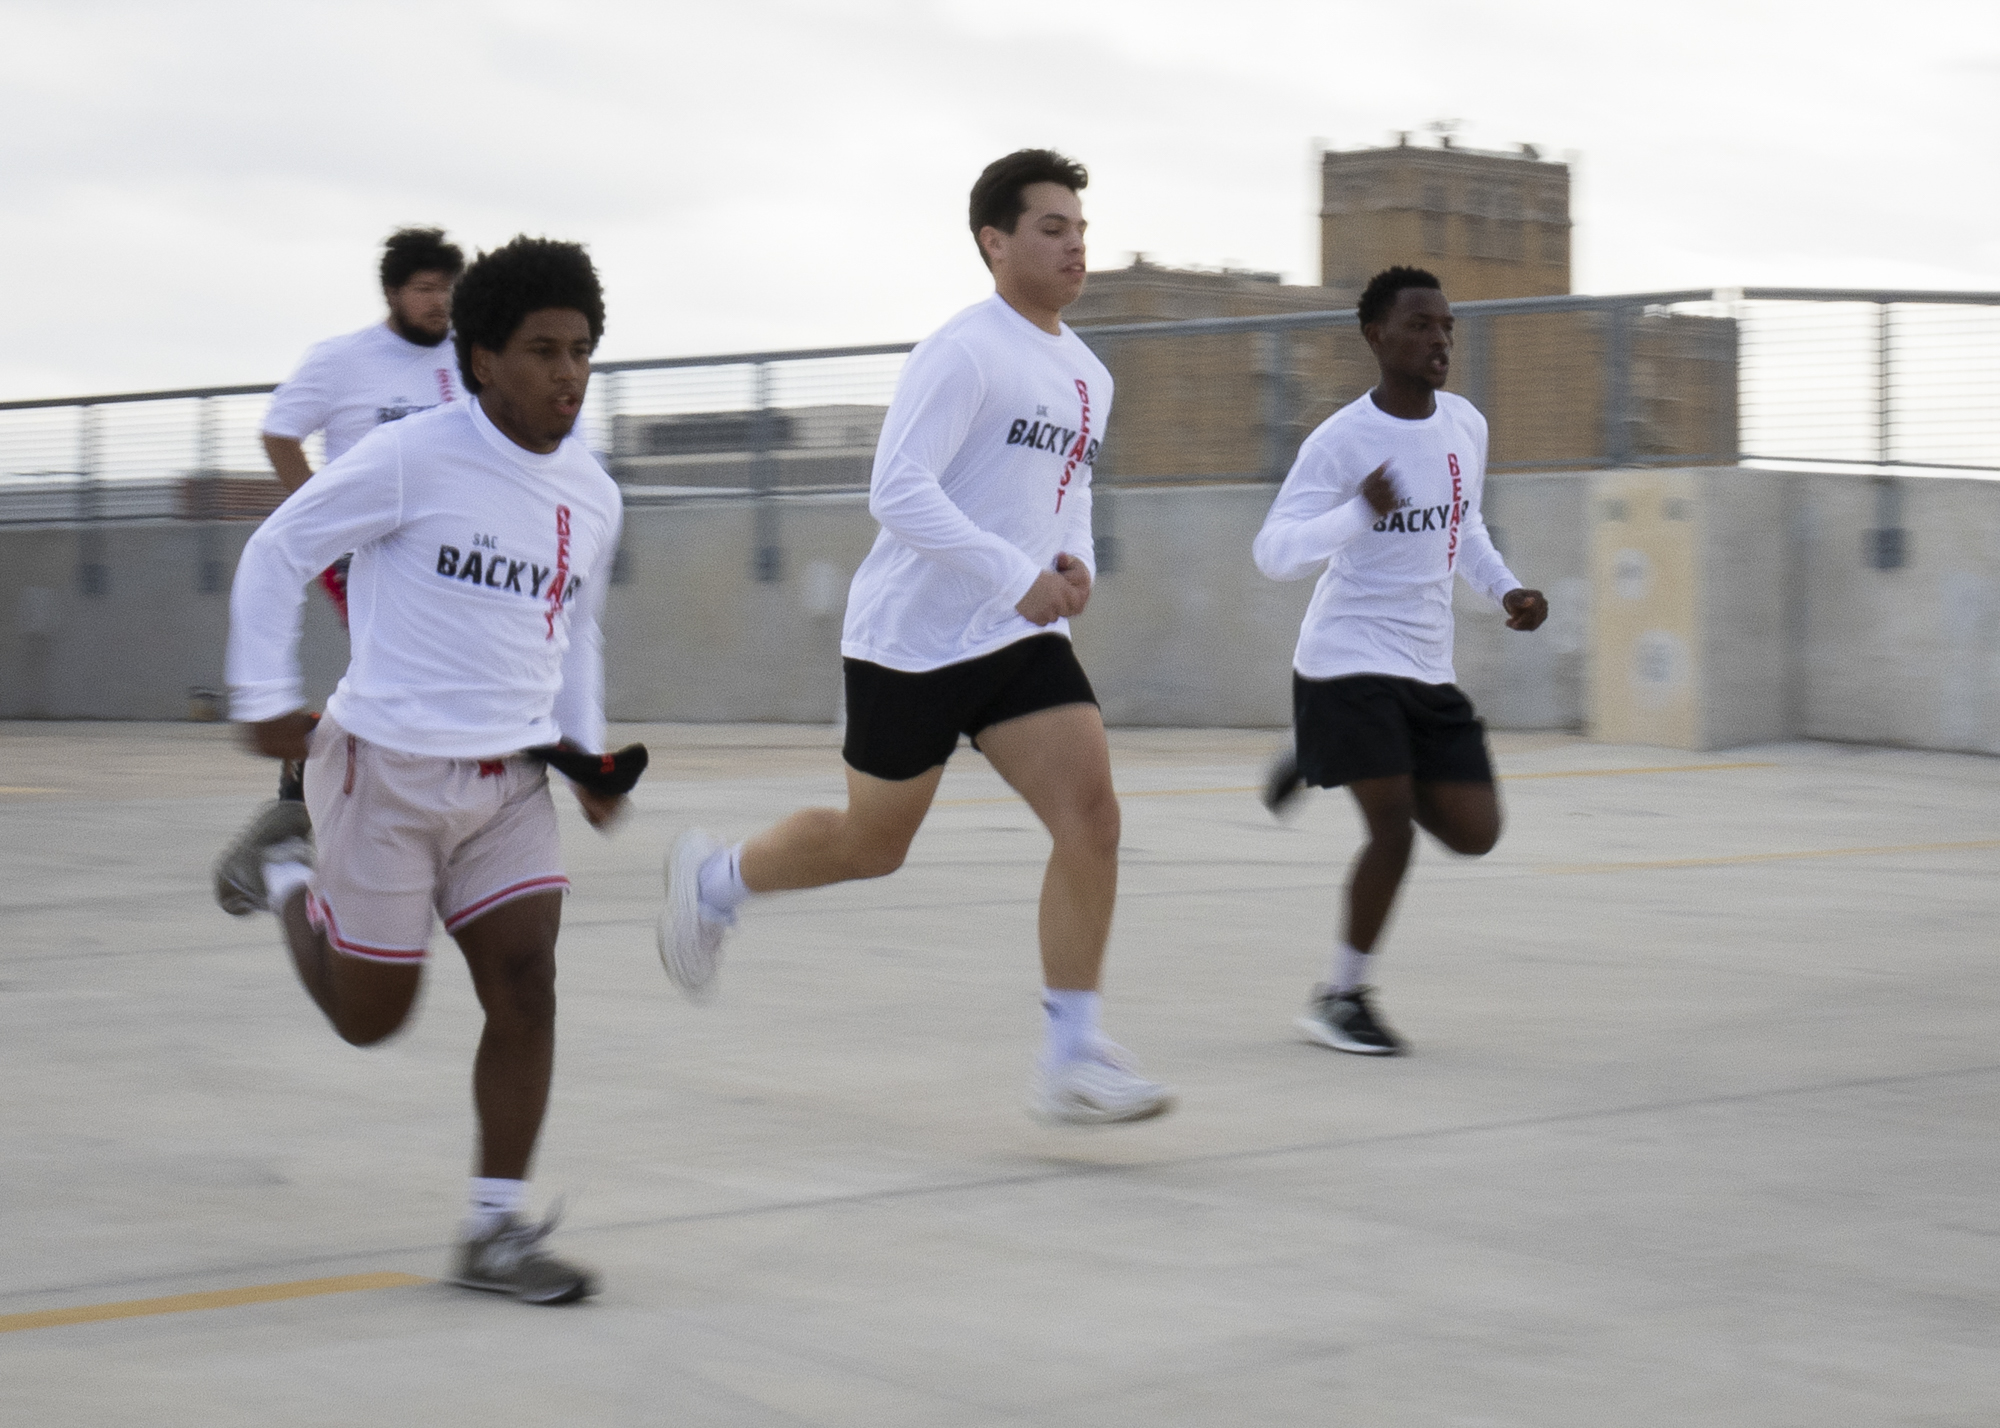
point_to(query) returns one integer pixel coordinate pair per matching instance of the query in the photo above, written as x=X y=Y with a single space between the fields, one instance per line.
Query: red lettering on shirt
x=560 y=579
x=1082 y=443
x=445 y=391
x=1457 y=506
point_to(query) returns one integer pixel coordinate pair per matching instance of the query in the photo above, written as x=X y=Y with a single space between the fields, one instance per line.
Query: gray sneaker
x=239 y=872
x=510 y=1260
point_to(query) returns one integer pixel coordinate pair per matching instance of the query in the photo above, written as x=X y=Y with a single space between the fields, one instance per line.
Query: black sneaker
x=1346 y=1022
x=1282 y=783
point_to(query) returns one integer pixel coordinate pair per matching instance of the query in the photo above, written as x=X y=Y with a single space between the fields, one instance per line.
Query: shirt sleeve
x=353 y=501
x=1319 y=511
x=303 y=403
x=933 y=409
x=1078 y=538
x=579 y=711
x=1479 y=562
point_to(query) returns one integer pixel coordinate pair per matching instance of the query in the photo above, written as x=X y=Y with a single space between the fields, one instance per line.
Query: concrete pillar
x=1691 y=576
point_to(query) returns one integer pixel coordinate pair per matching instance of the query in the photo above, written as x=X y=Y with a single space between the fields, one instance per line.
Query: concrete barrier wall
x=1800 y=635
x=1909 y=655
x=153 y=635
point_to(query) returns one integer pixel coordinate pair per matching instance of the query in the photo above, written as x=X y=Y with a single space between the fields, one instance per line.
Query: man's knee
x=368 y=1031
x=1391 y=821
x=1475 y=841
x=876 y=857
x=1097 y=823
x=520 y=991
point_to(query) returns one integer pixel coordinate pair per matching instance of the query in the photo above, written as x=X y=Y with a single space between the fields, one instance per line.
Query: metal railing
x=1892 y=381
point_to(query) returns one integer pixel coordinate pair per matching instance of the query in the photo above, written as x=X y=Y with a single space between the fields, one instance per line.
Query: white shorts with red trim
x=404 y=839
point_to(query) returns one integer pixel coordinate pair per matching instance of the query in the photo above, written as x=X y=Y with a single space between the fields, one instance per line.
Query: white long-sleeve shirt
x=479 y=576
x=1383 y=603
x=351 y=384
x=982 y=477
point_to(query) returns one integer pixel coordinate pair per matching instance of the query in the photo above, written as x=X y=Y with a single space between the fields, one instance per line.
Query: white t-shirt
x=1383 y=604
x=347 y=386
x=479 y=575
x=982 y=477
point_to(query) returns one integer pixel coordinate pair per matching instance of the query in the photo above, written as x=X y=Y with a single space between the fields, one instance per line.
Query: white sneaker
x=1102 y=1088
x=690 y=939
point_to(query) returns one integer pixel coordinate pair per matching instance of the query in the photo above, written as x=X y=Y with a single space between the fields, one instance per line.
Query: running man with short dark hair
x=1384 y=505
x=483 y=535
x=957 y=623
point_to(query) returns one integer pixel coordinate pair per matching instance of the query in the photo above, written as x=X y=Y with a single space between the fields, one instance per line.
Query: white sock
x=1071 y=1026
x=1350 y=969
x=281 y=880
x=488 y=1202
x=721 y=884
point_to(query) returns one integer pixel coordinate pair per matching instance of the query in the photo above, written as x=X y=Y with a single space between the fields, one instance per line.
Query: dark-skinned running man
x=1384 y=506
x=483 y=534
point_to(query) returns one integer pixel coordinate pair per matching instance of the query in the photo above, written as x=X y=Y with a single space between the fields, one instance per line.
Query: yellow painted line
x=1738 y=858
x=1122 y=793
x=25 y=788
x=1258 y=788
x=1657 y=769
x=213 y=1299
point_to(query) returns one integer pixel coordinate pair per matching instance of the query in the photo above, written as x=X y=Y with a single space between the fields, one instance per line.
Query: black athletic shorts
x=900 y=725
x=1377 y=725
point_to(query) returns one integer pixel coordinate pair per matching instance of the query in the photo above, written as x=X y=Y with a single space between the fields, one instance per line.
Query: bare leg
x=511 y=952
x=1058 y=761
x=1465 y=817
x=366 y=1001
x=867 y=839
x=1388 y=806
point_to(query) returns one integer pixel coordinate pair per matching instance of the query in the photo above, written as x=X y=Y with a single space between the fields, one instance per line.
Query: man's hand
x=1526 y=609
x=1379 y=491
x=1078 y=576
x=1053 y=597
x=281 y=738
x=601 y=811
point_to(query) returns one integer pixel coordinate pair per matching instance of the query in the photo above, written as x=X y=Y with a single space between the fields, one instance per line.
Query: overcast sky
x=193 y=192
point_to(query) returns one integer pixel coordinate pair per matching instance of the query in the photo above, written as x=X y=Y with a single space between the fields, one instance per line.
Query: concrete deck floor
x=1700 y=1128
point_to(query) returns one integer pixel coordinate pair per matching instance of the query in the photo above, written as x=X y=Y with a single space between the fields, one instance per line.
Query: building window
x=1434 y=233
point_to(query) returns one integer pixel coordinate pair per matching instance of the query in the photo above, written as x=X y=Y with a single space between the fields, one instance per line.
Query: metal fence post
x=1884 y=375
x=93 y=572
x=768 y=562
x=1272 y=351
x=1475 y=340
x=205 y=506
x=1618 y=385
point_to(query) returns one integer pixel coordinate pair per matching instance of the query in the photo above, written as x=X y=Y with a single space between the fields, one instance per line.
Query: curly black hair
x=527 y=275
x=996 y=197
x=1380 y=294
x=410 y=251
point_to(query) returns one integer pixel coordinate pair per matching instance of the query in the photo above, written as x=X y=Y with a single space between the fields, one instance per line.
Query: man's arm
x=301 y=406
x=355 y=500
x=288 y=459
x=1317 y=514
x=579 y=708
x=933 y=409
x=1481 y=566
